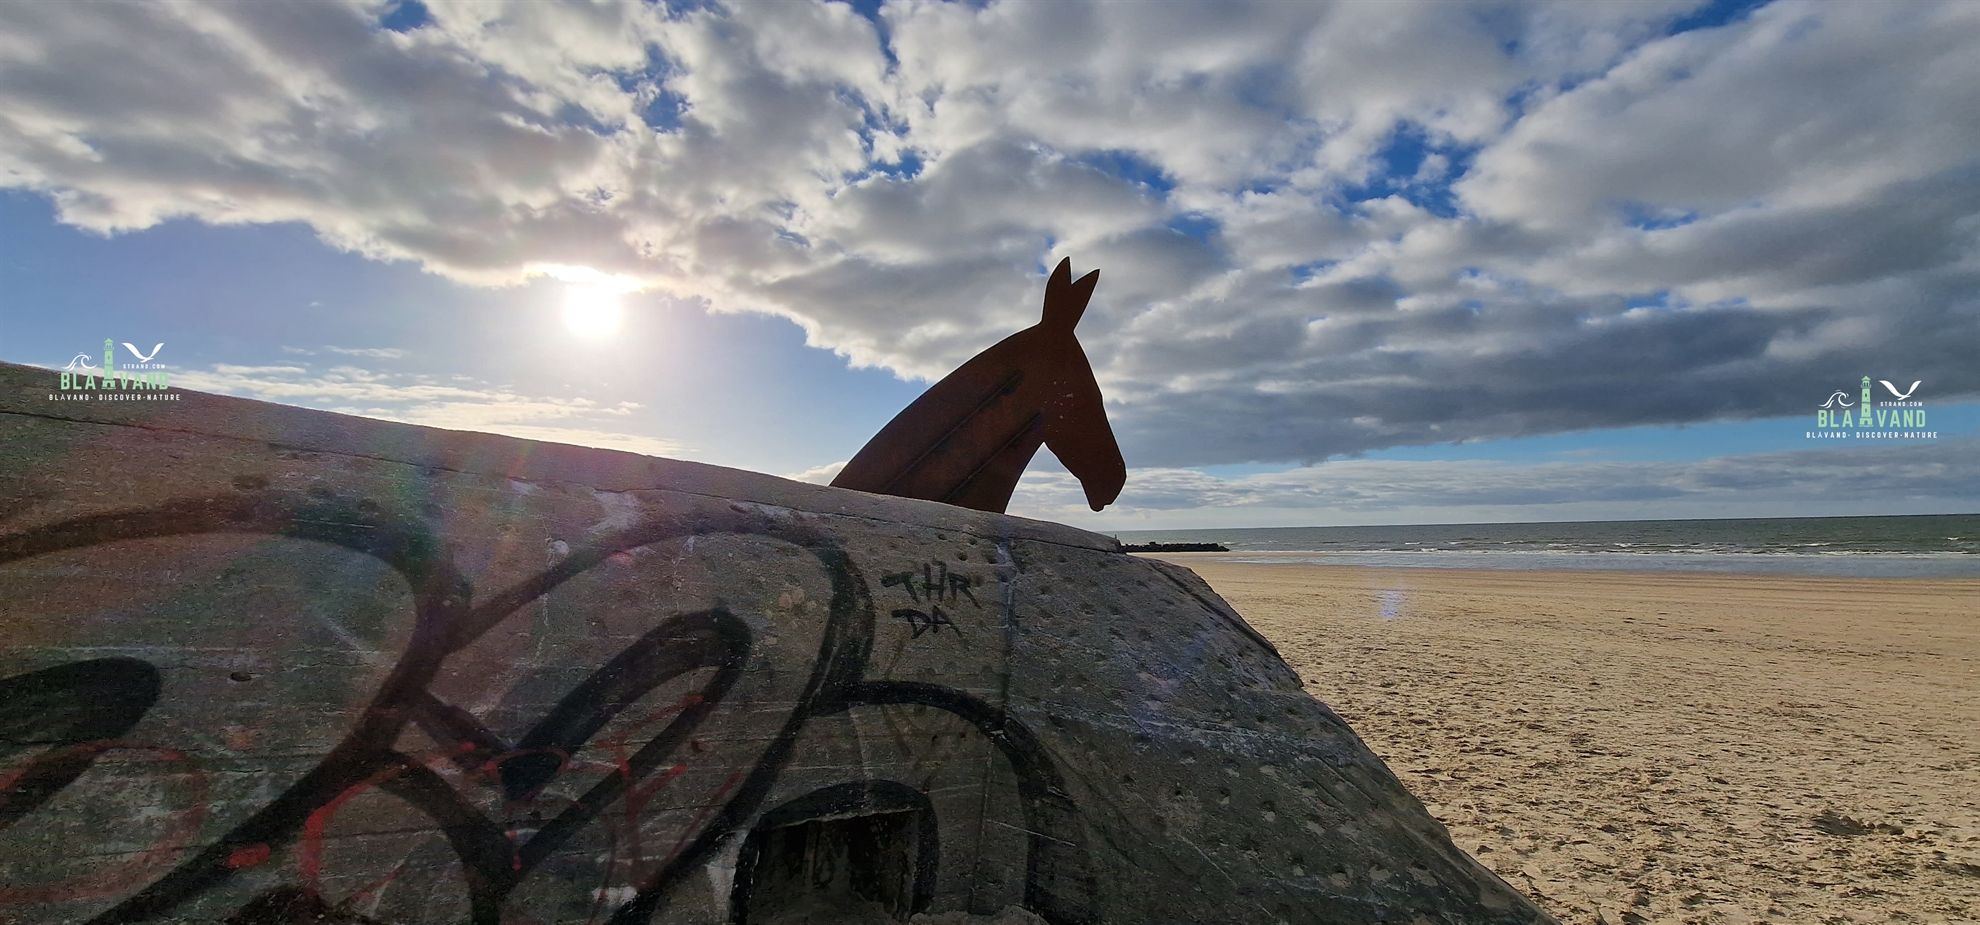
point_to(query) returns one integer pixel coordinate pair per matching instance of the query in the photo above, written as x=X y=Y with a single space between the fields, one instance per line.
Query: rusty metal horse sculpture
x=969 y=437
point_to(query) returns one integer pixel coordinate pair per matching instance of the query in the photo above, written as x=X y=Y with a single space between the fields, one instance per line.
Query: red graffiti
x=253 y=855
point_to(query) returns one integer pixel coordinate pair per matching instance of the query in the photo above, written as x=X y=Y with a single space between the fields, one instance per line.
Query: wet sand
x=1634 y=747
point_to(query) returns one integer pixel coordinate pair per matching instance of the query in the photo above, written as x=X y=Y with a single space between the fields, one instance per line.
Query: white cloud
x=371 y=353
x=818 y=475
x=1796 y=191
x=458 y=403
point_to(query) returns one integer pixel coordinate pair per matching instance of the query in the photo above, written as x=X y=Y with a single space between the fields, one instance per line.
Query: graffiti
x=71 y=715
x=937 y=583
x=930 y=621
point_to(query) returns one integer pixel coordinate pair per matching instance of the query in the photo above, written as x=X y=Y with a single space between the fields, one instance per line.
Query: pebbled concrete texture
x=264 y=664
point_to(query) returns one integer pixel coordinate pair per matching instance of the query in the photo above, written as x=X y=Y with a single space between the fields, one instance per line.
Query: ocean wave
x=1835 y=563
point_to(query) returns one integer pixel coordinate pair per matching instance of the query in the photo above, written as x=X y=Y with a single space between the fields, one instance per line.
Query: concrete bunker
x=311 y=661
x=853 y=850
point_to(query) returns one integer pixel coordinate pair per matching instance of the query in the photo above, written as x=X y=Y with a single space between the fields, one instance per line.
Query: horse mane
x=968 y=439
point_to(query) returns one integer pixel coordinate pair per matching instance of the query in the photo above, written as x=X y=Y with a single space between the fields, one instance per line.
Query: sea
x=1915 y=546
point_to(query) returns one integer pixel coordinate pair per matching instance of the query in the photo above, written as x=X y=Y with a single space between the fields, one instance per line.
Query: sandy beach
x=1658 y=747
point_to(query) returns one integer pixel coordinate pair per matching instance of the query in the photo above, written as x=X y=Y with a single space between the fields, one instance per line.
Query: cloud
x=373 y=353
x=1925 y=477
x=456 y=403
x=819 y=475
x=1324 y=229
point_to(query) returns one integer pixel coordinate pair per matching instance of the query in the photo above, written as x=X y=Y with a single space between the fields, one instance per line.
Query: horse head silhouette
x=969 y=437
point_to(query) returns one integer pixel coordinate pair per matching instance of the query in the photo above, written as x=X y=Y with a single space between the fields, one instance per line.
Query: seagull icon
x=1904 y=394
x=143 y=357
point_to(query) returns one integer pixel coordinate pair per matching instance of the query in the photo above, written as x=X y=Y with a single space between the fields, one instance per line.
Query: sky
x=1360 y=262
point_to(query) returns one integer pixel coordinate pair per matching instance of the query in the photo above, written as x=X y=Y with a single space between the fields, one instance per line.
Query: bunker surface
x=261 y=662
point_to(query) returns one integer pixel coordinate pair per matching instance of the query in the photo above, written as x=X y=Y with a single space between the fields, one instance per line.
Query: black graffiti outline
x=446 y=620
x=116 y=694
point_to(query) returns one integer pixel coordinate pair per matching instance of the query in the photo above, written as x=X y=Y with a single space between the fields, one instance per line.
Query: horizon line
x=1537 y=523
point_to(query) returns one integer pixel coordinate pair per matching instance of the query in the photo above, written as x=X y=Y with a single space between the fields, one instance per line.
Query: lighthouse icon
x=1866 y=396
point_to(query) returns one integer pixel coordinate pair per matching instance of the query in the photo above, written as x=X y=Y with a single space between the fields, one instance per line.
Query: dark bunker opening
x=858 y=852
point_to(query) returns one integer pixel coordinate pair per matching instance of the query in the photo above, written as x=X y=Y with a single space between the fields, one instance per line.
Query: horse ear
x=1065 y=299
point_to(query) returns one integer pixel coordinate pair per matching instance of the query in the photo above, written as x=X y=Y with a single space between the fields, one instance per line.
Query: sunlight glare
x=592 y=311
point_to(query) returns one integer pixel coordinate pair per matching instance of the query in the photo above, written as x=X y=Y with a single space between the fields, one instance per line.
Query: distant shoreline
x=1862 y=566
x=1547 y=523
x=1329 y=564
x=1899 y=546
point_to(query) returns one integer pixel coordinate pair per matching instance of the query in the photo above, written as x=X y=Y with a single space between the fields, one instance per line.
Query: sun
x=594 y=301
x=592 y=311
